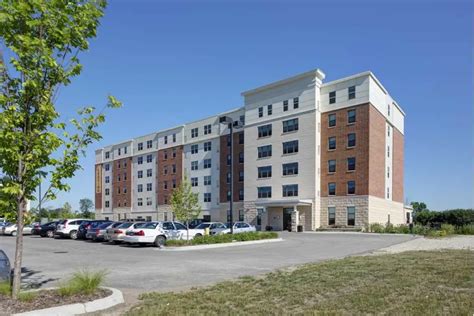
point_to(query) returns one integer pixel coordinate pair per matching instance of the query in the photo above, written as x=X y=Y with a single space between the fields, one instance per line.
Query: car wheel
x=197 y=235
x=14 y=233
x=160 y=241
x=50 y=234
x=73 y=234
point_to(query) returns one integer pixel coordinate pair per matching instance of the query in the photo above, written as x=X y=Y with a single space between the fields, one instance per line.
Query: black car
x=45 y=230
x=86 y=225
x=5 y=268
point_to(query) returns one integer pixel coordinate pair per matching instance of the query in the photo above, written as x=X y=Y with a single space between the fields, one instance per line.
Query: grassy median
x=416 y=283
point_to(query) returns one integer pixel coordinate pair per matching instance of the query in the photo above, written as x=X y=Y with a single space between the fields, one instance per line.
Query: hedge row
x=443 y=230
x=457 y=217
x=225 y=238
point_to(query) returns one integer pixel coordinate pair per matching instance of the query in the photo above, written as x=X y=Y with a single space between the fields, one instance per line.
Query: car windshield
x=125 y=225
x=139 y=225
x=203 y=225
x=147 y=225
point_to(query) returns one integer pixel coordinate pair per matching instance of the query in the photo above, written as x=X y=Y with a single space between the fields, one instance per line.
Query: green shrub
x=448 y=228
x=456 y=217
x=83 y=282
x=402 y=229
x=225 y=238
x=27 y=296
x=465 y=229
x=376 y=228
x=5 y=288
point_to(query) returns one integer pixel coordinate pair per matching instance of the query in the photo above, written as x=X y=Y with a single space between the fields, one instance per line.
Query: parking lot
x=139 y=269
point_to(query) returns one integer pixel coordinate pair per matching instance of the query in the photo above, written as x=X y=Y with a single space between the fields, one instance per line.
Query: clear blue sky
x=175 y=61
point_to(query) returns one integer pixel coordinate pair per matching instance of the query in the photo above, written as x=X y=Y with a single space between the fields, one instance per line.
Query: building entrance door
x=287 y=218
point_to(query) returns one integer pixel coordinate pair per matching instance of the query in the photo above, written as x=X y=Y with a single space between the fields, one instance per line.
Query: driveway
x=140 y=269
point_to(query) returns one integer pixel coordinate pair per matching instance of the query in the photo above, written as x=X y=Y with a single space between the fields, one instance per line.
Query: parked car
x=199 y=230
x=111 y=226
x=5 y=268
x=155 y=233
x=117 y=234
x=11 y=229
x=239 y=227
x=68 y=228
x=45 y=230
x=89 y=224
x=97 y=231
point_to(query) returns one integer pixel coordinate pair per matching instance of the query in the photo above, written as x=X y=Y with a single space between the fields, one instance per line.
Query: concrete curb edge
x=223 y=245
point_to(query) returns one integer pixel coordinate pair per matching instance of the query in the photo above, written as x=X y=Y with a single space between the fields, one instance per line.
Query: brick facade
x=224 y=168
x=98 y=186
x=121 y=183
x=168 y=160
x=377 y=152
x=398 y=158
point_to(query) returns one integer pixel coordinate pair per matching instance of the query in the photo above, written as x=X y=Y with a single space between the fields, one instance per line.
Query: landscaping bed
x=411 y=283
x=35 y=300
x=219 y=239
x=425 y=230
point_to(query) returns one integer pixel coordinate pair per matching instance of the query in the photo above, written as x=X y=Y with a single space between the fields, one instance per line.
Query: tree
x=420 y=212
x=418 y=206
x=44 y=38
x=185 y=204
x=85 y=205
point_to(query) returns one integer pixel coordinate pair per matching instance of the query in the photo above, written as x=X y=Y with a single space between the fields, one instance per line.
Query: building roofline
x=314 y=72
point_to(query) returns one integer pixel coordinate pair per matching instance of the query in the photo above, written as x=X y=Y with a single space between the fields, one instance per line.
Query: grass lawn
x=414 y=283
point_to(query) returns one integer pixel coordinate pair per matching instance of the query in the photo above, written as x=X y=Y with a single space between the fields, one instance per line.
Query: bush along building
x=305 y=153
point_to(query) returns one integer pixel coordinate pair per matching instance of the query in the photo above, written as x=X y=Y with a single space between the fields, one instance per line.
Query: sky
x=171 y=62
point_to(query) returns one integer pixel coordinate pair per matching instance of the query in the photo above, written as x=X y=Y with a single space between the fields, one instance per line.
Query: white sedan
x=12 y=228
x=200 y=229
x=239 y=227
x=155 y=233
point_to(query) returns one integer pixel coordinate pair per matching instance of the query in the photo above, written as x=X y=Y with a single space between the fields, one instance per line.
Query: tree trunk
x=18 y=251
x=187 y=231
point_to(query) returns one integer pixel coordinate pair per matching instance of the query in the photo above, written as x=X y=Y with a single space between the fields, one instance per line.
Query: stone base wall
x=380 y=210
x=341 y=203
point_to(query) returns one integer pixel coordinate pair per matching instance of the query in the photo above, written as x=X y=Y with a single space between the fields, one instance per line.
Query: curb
x=223 y=245
x=79 y=308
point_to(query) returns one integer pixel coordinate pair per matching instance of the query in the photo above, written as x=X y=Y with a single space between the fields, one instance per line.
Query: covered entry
x=285 y=215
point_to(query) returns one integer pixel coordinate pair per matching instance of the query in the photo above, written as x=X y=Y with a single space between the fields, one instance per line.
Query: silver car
x=117 y=234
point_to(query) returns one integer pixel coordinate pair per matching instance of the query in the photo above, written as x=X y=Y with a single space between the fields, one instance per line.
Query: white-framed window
x=140 y=174
x=149 y=144
x=140 y=201
x=207 y=146
x=207 y=180
x=149 y=158
x=149 y=173
x=194 y=149
x=140 y=188
x=194 y=132
x=140 y=160
x=207 y=163
x=285 y=105
x=194 y=182
x=194 y=165
x=148 y=201
x=351 y=91
x=296 y=103
x=207 y=129
x=149 y=187
x=207 y=197
x=140 y=146
x=332 y=97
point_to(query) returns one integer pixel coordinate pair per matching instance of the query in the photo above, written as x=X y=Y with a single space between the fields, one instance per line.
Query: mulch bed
x=45 y=299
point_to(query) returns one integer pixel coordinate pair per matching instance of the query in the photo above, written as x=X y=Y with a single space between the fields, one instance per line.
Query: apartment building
x=309 y=153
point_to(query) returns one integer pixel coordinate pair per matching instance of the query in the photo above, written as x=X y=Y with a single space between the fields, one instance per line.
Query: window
x=351 y=140
x=148 y=201
x=165 y=170
x=119 y=151
x=228 y=178
x=194 y=165
x=241 y=176
x=265 y=131
x=194 y=132
x=332 y=97
x=388 y=151
x=124 y=163
x=140 y=201
x=290 y=190
x=140 y=160
x=207 y=180
x=228 y=140
x=140 y=146
x=124 y=176
x=388 y=172
x=285 y=105
x=174 y=152
x=351 y=116
x=148 y=187
x=332 y=143
x=165 y=185
x=140 y=174
x=173 y=169
x=107 y=167
x=107 y=204
x=149 y=144
x=107 y=155
x=118 y=164
x=173 y=183
x=207 y=146
x=149 y=158
x=228 y=196
x=351 y=212
x=241 y=215
x=290 y=125
x=331 y=165
x=207 y=197
x=241 y=195
x=165 y=155
x=332 y=120
x=207 y=129
x=331 y=215
x=107 y=191
x=388 y=109
x=264 y=151
x=166 y=140
x=229 y=159
x=388 y=193
x=140 y=188
x=351 y=187
x=174 y=137
x=241 y=138
x=194 y=182
x=269 y=109
x=148 y=173
x=207 y=163
x=107 y=179
x=264 y=172
x=388 y=130
x=332 y=188
x=290 y=147
x=296 y=103
x=351 y=164
x=290 y=169
x=352 y=92
x=242 y=119
x=119 y=178
x=260 y=111
x=264 y=192
x=241 y=157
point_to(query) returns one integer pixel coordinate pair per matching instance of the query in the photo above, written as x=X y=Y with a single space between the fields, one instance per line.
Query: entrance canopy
x=283 y=203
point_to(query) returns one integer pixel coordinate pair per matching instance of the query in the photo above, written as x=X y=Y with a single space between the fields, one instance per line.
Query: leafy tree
x=185 y=204
x=420 y=211
x=44 y=38
x=86 y=205
x=419 y=206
